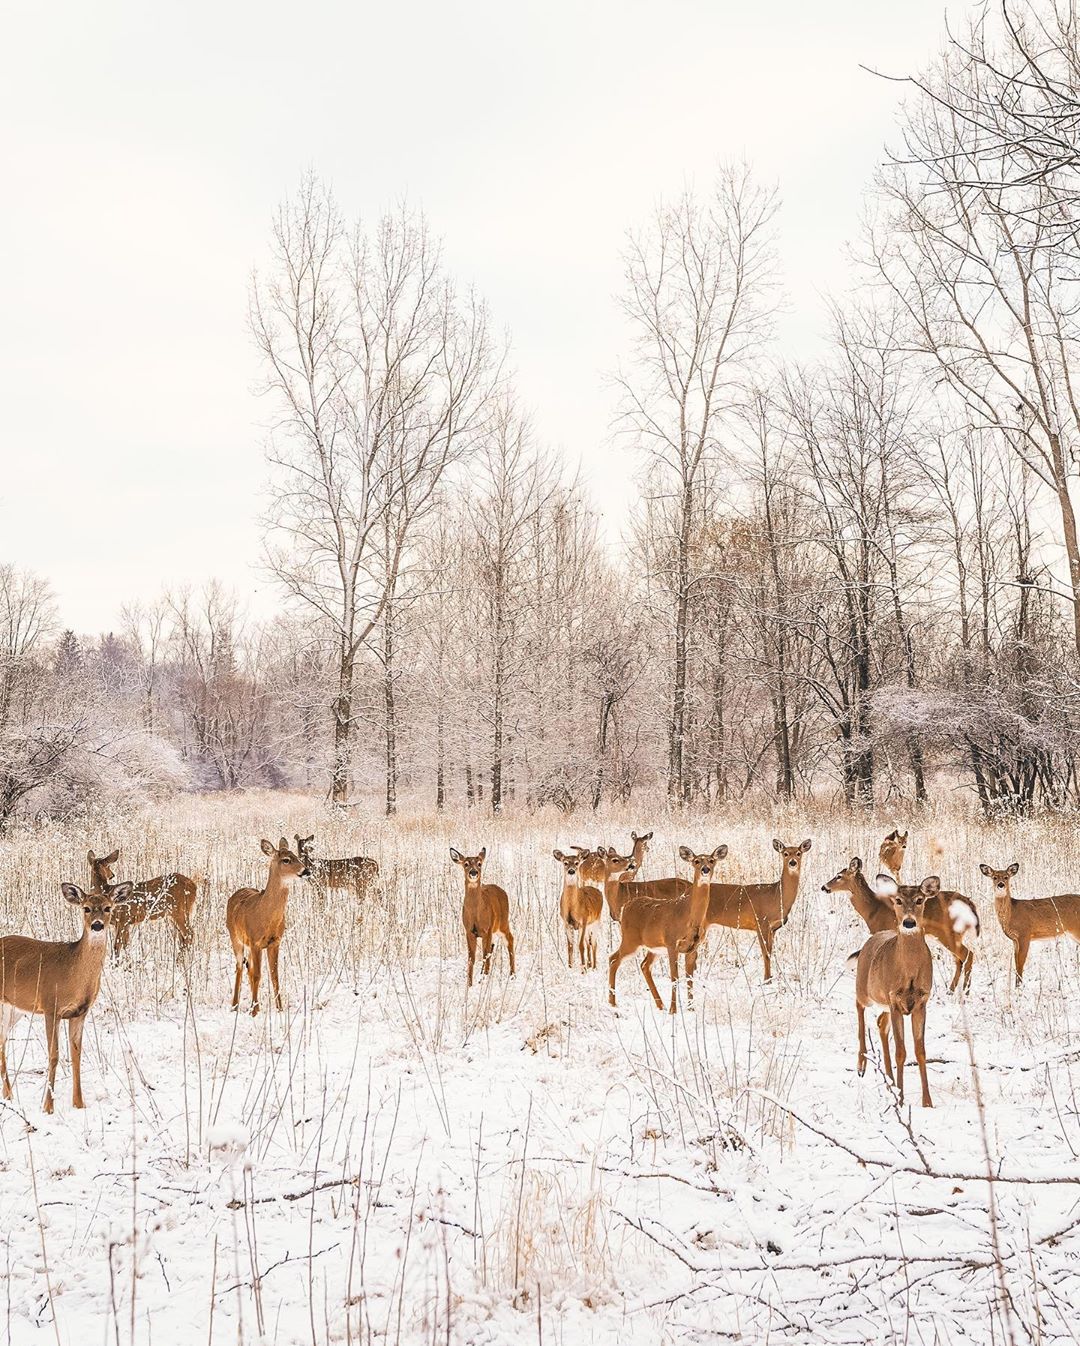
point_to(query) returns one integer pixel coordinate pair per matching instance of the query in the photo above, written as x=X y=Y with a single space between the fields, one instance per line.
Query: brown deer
x=171 y=895
x=580 y=907
x=58 y=980
x=1033 y=918
x=672 y=923
x=949 y=916
x=895 y=973
x=485 y=912
x=358 y=872
x=891 y=854
x=595 y=871
x=761 y=907
x=255 y=919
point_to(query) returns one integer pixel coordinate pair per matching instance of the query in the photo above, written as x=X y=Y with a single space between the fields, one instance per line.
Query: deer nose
x=909 y=922
x=97 y=925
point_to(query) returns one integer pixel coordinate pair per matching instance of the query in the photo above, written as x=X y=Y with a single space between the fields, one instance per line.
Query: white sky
x=144 y=148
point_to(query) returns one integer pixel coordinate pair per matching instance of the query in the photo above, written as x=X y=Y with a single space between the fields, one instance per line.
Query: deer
x=580 y=907
x=950 y=917
x=485 y=912
x=1031 y=918
x=255 y=920
x=357 y=872
x=171 y=895
x=673 y=923
x=761 y=907
x=891 y=854
x=894 y=973
x=58 y=980
x=595 y=871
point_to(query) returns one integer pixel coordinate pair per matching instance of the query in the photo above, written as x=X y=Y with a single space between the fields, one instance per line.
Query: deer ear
x=72 y=892
x=984 y=869
x=122 y=893
x=267 y=847
x=1014 y=868
x=806 y=845
x=483 y=852
x=113 y=856
x=777 y=844
x=719 y=853
x=455 y=855
x=283 y=843
x=91 y=858
x=685 y=853
x=902 y=838
x=559 y=856
x=885 y=886
x=856 y=864
x=931 y=886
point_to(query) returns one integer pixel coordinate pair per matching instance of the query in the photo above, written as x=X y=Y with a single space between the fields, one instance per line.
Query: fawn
x=485 y=912
x=895 y=973
x=58 y=980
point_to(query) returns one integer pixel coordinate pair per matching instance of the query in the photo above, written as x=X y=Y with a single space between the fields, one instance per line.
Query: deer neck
x=789 y=885
x=277 y=887
x=863 y=898
x=909 y=947
x=1003 y=905
x=699 y=901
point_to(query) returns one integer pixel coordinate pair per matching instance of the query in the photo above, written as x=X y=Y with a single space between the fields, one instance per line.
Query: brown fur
x=895 y=973
x=580 y=908
x=58 y=980
x=357 y=872
x=936 y=921
x=1036 y=918
x=172 y=895
x=255 y=919
x=485 y=913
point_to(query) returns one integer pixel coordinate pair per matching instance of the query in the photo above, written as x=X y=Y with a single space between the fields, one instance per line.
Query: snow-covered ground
x=393 y=1159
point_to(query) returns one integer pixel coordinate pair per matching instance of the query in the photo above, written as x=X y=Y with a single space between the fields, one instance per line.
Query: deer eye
x=87 y=910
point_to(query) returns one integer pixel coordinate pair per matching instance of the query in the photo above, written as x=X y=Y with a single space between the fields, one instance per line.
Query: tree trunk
x=677 y=783
x=342 y=708
x=390 y=710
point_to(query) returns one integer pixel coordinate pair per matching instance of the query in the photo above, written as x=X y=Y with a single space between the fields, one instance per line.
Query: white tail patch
x=885 y=886
x=853 y=959
x=964 y=922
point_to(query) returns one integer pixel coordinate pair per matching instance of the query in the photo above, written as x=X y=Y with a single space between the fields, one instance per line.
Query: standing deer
x=895 y=973
x=580 y=908
x=595 y=871
x=255 y=919
x=761 y=907
x=674 y=923
x=59 y=980
x=171 y=895
x=358 y=872
x=485 y=912
x=891 y=854
x=949 y=916
x=1034 y=918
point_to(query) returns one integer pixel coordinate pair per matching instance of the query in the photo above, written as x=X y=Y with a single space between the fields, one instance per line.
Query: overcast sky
x=145 y=147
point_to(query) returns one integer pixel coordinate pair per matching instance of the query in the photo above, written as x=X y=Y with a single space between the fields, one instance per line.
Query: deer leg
x=254 y=977
x=1022 y=947
x=861 y=1012
x=75 y=1032
x=3 y=1055
x=673 y=972
x=968 y=962
x=765 y=939
x=569 y=948
x=646 y=972
x=239 y=978
x=960 y=961
x=918 y=1034
x=272 y=963
x=613 y=967
x=121 y=935
x=52 y=1035
x=470 y=940
x=485 y=965
x=900 y=1048
x=581 y=950
x=883 y=1030
x=509 y=948
x=690 y=967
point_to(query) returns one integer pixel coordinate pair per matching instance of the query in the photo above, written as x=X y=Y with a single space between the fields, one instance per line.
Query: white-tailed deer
x=171 y=895
x=58 y=980
x=357 y=872
x=255 y=919
x=595 y=870
x=761 y=907
x=485 y=912
x=1033 y=918
x=675 y=924
x=580 y=907
x=891 y=854
x=894 y=973
x=949 y=916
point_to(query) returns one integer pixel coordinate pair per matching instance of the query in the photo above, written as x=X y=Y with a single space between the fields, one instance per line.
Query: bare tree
x=699 y=297
x=381 y=374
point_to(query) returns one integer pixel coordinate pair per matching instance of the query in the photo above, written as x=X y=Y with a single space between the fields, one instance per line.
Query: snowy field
x=392 y=1159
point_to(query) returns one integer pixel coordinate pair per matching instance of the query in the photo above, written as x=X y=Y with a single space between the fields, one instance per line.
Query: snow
x=392 y=1159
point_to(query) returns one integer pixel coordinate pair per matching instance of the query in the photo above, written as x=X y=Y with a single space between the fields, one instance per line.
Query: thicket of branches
x=858 y=579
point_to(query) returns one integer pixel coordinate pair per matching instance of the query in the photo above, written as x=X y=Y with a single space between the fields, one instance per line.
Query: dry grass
x=394 y=1159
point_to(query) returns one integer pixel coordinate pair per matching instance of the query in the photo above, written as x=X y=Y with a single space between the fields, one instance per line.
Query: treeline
x=859 y=579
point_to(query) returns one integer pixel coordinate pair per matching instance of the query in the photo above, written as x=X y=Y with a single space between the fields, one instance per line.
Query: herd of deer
x=894 y=969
